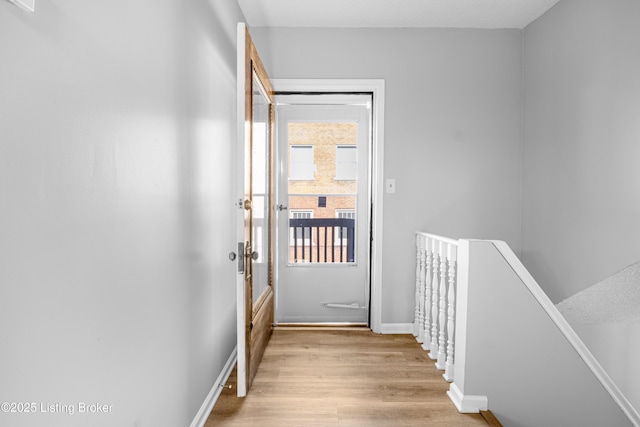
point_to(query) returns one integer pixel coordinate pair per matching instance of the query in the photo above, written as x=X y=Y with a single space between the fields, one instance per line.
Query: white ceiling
x=394 y=13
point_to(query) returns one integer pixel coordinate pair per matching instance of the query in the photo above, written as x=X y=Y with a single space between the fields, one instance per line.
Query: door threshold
x=322 y=327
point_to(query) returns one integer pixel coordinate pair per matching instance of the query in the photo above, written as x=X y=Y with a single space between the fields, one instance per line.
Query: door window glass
x=259 y=188
x=323 y=175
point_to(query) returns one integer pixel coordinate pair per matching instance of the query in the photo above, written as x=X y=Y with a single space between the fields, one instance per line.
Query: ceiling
x=394 y=13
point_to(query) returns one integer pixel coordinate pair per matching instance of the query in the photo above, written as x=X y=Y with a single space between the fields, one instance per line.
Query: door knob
x=232 y=256
x=254 y=255
x=282 y=207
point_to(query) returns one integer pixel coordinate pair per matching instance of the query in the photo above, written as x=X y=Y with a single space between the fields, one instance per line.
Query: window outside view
x=322 y=191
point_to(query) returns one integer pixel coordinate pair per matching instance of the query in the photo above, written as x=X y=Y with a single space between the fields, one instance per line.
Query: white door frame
x=375 y=86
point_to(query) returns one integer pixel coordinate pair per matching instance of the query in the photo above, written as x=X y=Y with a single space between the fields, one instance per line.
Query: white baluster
x=422 y=290
x=449 y=365
x=428 y=278
x=442 y=309
x=416 y=314
x=433 y=348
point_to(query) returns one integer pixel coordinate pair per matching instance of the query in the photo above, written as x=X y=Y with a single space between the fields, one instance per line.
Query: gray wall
x=452 y=130
x=117 y=124
x=581 y=180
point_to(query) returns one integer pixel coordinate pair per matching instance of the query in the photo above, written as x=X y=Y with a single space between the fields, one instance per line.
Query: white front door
x=324 y=208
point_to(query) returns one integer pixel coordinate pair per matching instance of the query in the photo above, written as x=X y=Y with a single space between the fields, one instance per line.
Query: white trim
x=467 y=404
x=377 y=87
x=207 y=406
x=241 y=129
x=396 y=328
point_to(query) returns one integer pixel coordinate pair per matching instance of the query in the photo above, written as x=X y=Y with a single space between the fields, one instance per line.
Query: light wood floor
x=342 y=378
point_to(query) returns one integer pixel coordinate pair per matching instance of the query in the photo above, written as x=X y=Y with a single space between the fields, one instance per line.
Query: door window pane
x=259 y=188
x=324 y=153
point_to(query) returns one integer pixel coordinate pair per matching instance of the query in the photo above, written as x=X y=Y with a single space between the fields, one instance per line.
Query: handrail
x=561 y=322
x=436 y=237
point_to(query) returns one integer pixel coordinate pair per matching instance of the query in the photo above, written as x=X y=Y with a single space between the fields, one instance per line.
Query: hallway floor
x=342 y=378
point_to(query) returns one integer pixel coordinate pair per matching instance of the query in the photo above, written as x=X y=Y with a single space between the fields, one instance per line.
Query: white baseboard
x=467 y=404
x=396 y=328
x=212 y=397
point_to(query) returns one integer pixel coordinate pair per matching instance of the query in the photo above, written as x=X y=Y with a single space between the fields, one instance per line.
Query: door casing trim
x=375 y=86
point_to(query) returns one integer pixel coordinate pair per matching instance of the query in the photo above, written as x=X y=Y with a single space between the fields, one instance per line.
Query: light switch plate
x=390 y=185
x=28 y=5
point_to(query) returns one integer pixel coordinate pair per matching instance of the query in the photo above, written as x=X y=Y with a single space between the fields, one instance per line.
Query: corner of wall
x=467 y=404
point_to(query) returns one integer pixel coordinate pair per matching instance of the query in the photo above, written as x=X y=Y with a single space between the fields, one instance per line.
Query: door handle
x=247 y=255
x=281 y=207
x=241 y=258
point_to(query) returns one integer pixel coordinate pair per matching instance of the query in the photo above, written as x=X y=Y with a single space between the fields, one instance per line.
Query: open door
x=256 y=211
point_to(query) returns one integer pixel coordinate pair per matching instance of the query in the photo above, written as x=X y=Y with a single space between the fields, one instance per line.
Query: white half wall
x=532 y=368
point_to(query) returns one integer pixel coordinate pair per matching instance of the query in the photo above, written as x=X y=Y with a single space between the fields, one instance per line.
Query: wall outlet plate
x=28 y=5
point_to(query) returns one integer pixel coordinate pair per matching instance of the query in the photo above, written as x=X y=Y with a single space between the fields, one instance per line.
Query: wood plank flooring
x=342 y=378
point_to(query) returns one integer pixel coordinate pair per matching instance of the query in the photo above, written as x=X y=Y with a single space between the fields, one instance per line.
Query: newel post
x=463 y=401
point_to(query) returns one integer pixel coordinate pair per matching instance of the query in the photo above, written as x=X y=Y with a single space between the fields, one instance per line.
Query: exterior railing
x=322 y=240
x=435 y=295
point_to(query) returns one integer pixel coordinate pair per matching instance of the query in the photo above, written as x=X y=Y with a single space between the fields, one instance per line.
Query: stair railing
x=435 y=295
x=460 y=291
